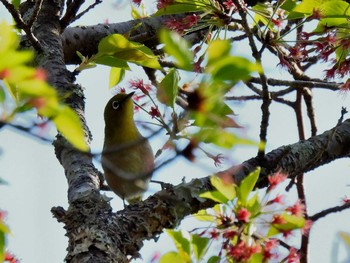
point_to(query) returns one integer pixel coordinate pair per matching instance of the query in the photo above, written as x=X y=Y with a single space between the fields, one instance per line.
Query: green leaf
x=18 y=74
x=13 y=58
x=9 y=39
x=227 y=190
x=335 y=9
x=36 y=88
x=217 y=50
x=289 y=5
x=168 y=88
x=291 y=222
x=232 y=68
x=2 y=95
x=2 y=246
x=214 y=259
x=200 y=246
x=178 y=47
x=215 y=196
x=193 y=6
x=172 y=257
x=4 y=228
x=306 y=7
x=225 y=67
x=68 y=123
x=256 y=258
x=346 y=238
x=182 y=243
x=220 y=137
x=118 y=47
x=139 y=57
x=115 y=43
x=116 y=75
x=202 y=215
x=253 y=205
x=247 y=185
x=112 y=62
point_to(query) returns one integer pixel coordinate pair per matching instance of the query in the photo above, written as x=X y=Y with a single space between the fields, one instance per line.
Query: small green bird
x=127 y=157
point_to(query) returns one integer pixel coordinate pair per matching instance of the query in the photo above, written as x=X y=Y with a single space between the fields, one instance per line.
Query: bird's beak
x=129 y=95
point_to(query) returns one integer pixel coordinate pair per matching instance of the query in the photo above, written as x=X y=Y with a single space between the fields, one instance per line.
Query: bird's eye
x=115 y=105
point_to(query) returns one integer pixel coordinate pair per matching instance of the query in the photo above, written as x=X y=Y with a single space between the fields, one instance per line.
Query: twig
x=243 y=98
x=72 y=9
x=328 y=211
x=307 y=95
x=34 y=16
x=27 y=130
x=97 y=2
x=299 y=115
x=265 y=91
x=343 y=112
x=253 y=88
x=22 y=25
x=299 y=83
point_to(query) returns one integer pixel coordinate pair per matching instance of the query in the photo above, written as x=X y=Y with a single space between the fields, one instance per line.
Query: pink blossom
x=293 y=256
x=298 y=209
x=138 y=84
x=278 y=219
x=242 y=252
x=243 y=215
x=154 y=112
x=276 y=179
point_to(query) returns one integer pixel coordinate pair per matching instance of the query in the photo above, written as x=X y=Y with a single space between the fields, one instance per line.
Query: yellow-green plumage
x=127 y=157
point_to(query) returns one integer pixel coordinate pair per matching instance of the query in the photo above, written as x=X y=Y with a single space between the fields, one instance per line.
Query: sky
x=36 y=181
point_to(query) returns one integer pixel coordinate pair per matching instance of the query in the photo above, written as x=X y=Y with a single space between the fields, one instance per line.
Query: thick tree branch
x=129 y=227
x=85 y=39
x=95 y=233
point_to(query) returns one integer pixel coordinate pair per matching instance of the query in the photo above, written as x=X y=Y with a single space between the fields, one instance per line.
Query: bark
x=95 y=233
x=85 y=39
x=127 y=229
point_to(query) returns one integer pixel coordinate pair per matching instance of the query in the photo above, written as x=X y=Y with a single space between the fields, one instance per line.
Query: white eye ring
x=115 y=105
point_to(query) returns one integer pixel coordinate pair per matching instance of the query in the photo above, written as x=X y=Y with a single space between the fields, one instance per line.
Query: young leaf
x=220 y=137
x=172 y=257
x=246 y=186
x=202 y=215
x=2 y=94
x=291 y=222
x=9 y=39
x=232 y=68
x=227 y=190
x=68 y=123
x=116 y=75
x=168 y=88
x=120 y=48
x=214 y=259
x=2 y=246
x=182 y=244
x=200 y=246
x=253 y=205
x=177 y=46
x=217 y=50
x=112 y=62
x=215 y=196
x=193 y=6
x=4 y=228
x=346 y=238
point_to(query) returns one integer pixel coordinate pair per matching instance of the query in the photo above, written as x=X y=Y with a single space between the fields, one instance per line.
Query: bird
x=127 y=157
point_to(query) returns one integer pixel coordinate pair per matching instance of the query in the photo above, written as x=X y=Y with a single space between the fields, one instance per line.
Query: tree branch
x=85 y=39
x=145 y=220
